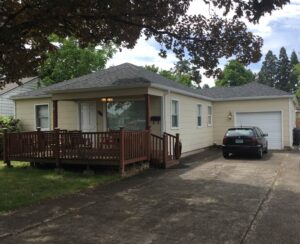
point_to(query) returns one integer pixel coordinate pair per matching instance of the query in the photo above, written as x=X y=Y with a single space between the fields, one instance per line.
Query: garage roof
x=250 y=90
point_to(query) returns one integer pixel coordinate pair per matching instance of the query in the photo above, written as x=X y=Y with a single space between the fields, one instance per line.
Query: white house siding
x=7 y=106
x=192 y=136
x=25 y=111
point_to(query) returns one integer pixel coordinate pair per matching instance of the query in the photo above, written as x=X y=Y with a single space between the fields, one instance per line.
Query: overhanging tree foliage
x=235 y=74
x=182 y=76
x=71 y=61
x=25 y=26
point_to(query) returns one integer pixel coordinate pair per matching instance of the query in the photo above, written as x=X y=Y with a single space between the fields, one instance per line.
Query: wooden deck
x=118 y=148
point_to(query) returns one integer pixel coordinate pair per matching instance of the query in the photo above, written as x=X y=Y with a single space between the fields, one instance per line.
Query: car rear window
x=240 y=132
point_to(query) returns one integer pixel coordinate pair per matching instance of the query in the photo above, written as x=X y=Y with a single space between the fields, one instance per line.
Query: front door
x=88 y=113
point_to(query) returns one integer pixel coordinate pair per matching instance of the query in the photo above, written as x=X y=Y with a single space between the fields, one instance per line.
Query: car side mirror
x=264 y=135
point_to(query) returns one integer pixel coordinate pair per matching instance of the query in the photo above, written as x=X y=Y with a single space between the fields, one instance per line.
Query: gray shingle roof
x=252 y=89
x=129 y=75
x=124 y=75
x=10 y=86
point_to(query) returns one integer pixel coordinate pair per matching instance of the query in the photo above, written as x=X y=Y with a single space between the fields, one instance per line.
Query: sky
x=282 y=28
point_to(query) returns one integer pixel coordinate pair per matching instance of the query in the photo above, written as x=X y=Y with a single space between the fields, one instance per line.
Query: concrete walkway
x=207 y=200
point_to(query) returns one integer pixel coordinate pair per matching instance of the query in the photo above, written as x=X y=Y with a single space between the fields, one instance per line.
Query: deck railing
x=107 y=148
x=165 y=150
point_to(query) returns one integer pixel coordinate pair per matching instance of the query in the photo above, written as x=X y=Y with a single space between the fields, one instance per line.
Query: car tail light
x=225 y=139
x=254 y=140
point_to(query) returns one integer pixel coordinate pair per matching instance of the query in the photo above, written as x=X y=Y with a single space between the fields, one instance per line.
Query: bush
x=11 y=125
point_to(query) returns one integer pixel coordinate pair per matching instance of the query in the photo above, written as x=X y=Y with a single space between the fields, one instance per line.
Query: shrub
x=11 y=125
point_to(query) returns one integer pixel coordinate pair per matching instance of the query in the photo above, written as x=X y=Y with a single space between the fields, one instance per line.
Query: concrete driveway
x=207 y=199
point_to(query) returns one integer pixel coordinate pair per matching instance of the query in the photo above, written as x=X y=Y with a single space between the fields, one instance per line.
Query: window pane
x=199 y=121
x=199 y=110
x=130 y=115
x=174 y=107
x=42 y=119
x=174 y=121
x=209 y=110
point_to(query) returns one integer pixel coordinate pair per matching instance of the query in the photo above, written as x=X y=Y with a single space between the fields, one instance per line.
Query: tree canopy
x=280 y=72
x=71 y=61
x=269 y=70
x=284 y=71
x=235 y=74
x=182 y=76
x=26 y=25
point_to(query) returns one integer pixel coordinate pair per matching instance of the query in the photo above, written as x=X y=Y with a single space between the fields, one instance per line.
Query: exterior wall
x=155 y=110
x=192 y=136
x=25 y=111
x=222 y=123
x=68 y=115
x=7 y=106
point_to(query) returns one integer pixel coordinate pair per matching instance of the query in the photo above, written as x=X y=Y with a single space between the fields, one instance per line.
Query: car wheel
x=260 y=153
x=266 y=149
x=226 y=155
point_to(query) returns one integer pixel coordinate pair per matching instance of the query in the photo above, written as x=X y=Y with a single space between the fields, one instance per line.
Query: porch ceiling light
x=107 y=99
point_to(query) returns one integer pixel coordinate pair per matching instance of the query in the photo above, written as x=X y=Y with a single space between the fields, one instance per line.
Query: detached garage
x=254 y=104
x=269 y=122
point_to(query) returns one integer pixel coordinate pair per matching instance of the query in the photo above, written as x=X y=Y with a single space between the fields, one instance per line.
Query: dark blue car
x=245 y=140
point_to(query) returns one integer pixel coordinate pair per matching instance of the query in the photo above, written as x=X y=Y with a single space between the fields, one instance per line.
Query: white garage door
x=269 y=122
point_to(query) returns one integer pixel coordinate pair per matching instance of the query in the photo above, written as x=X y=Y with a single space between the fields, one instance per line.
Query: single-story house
x=132 y=97
x=7 y=105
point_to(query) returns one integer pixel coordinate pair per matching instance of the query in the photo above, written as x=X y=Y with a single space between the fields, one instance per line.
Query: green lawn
x=22 y=185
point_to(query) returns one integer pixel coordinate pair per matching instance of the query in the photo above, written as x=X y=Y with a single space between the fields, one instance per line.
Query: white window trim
x=172 y=127
x=49 y=121
x=210 y=124
x=199 y=126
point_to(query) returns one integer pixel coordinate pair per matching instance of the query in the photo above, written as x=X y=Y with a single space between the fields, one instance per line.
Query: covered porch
x=103 y=112
x=97 y=129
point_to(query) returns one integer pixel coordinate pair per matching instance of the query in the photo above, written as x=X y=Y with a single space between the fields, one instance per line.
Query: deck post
x=55 y=114
x=56 y=150
x=6 y=149
x=147 y=111
x=165 y=149
x=122 y=149
x=177 y=147
x=38 y=129
x=148 y=145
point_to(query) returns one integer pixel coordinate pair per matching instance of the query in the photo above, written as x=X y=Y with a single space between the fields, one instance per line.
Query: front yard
x=22 y=185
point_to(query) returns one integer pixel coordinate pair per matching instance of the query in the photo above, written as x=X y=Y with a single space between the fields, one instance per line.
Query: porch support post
x=147 y=109
x=55 y=118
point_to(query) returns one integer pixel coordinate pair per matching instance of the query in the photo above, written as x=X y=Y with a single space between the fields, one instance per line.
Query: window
x=209 y=115
x=175 y=114
x=199 y=115
x=42 y=116
x=129 y=114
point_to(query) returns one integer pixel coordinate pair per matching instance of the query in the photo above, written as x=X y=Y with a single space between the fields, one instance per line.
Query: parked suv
x=242 y=140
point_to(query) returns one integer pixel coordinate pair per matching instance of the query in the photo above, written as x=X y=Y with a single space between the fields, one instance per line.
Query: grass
x=22 y=185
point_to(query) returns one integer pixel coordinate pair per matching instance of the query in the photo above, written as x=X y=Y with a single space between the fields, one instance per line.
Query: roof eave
x=30 y=97
x=252 y=98
x=105 y=88
x=166 y=88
